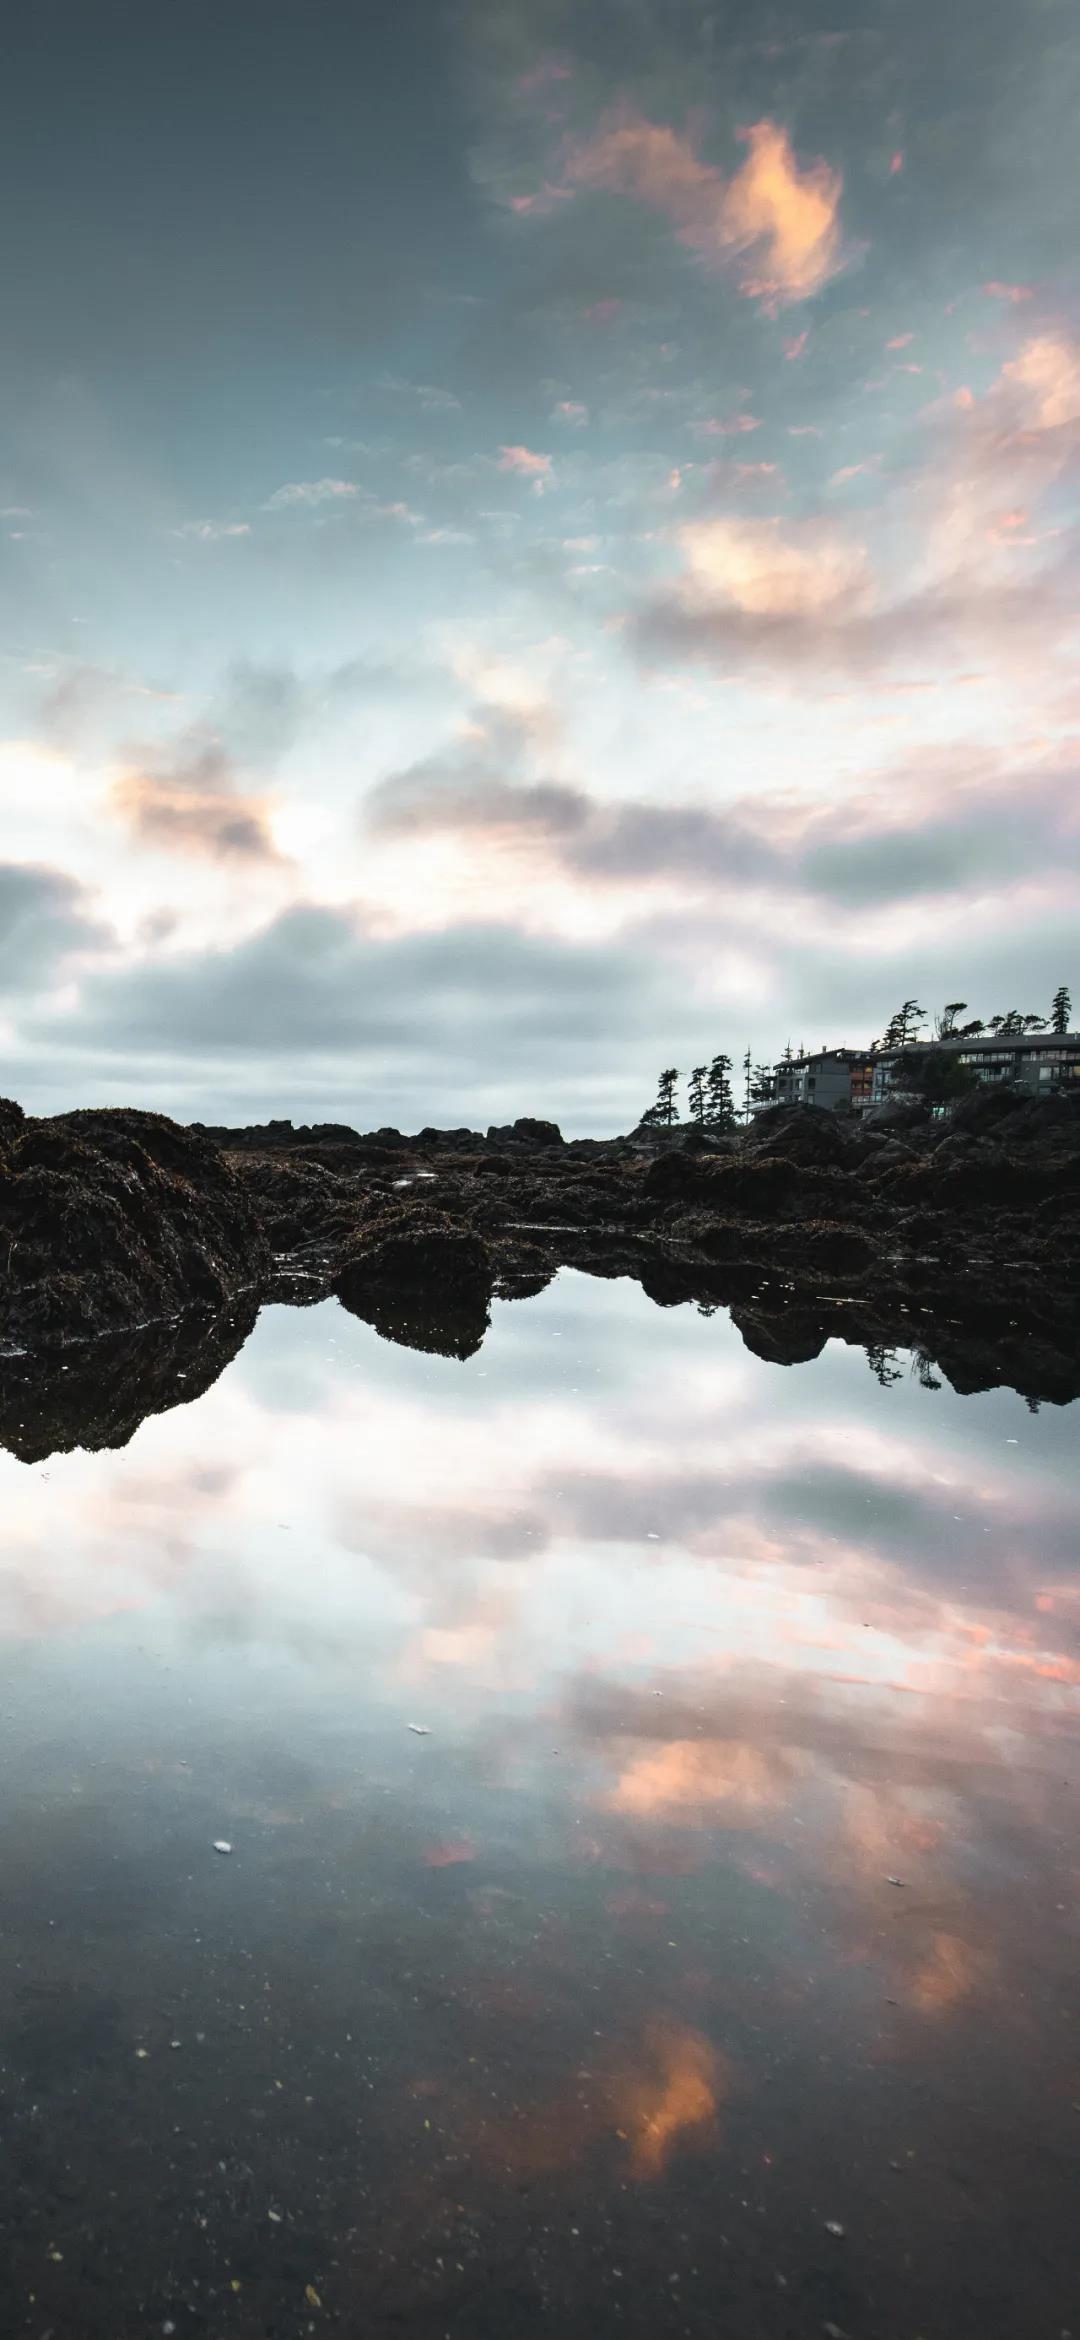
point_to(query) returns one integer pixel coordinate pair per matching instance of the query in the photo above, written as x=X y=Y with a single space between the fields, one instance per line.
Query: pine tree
x=665 y=1111
x=945 y=1023
x=719 y=1102
x=748 y=1067
x=1013 y=1025
x=902 y=1028
x=696 y=1094
x=1060 y=1009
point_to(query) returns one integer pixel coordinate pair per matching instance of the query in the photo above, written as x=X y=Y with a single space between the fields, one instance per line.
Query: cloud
x=775 y=222
x=185 y=799
x=1045 y=381
x=731 y=426
x=527 y=465
x=947 y=825
x=474 y=1012
x=757 y=568
x=309 y=492
x=45 y=921
x=427 y=395
x=571 y=412
x=211 y=531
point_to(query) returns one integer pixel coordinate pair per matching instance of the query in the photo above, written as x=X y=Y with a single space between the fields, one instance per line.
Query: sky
x=537 y=542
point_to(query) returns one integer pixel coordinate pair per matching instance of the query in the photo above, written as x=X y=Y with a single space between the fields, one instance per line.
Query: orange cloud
x=788 y=214
x=753 y=566
x=777 y=222
x=672 y=2097
x=1046 y=380
x=949 y=1973
x=189 y=804
x=692 y=1776
x=657 y=2098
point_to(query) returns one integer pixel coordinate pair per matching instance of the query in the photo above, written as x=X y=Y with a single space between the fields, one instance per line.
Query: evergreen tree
x=1013 y=1025
x=1060 y=1009
x=945 y=1023
x=665 y=1111
x=747 y=1066
x=719 y=1102
x=696 y=1094
x=761 y=1084
x=904 y=1026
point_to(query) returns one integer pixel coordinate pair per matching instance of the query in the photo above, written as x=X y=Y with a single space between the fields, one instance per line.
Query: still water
x=653 y=1904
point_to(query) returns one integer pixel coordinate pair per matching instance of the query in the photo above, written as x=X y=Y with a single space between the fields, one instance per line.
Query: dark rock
x=805 y=1134
x=110 y=1219
x=410 y=1246
x=525 y=1132
x=419 y=1278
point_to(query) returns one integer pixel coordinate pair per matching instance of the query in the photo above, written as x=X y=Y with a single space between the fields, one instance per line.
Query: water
x=724 y=1896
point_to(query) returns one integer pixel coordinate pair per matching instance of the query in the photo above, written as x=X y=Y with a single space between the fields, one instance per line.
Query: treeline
x=904 y=1028
x=709 y=1096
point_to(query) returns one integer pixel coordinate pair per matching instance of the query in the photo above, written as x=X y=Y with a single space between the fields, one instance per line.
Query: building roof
x=987 y=1040
x=820 y=1056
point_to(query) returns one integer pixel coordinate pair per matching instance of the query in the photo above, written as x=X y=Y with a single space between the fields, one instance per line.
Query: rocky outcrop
x=115 y=1218
x=420 y=1277
x=145 y=1249
x=112 y=1219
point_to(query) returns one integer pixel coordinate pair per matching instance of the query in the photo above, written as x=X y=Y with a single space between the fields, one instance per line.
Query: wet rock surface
x=111 y=1219
x=957 y=1240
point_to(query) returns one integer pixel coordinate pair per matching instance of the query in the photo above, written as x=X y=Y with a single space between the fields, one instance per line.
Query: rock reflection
x=1023 y=1334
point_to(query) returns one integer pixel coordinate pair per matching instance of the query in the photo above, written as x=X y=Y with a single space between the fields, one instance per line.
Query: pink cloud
x=525 y=463
x=603 y=312
x=794 y=349
x=774 y=221
x=896 y=165
x=732 y=426
x=754 y=567
x=900 y=341
x=572 y=412
x=1008 y=292
x=538 y=205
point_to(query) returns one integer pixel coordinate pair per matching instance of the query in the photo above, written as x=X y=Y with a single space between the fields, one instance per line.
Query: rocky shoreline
x=958 y=1240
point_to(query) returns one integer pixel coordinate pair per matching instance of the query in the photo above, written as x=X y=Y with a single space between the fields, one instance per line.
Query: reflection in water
x=704 y=1957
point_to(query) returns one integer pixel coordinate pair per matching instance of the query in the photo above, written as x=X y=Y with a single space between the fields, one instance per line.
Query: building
x=837 y=1079
x=1039 y=1062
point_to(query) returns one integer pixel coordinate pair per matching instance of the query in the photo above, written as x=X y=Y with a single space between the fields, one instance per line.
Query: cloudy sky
x=537 y=541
